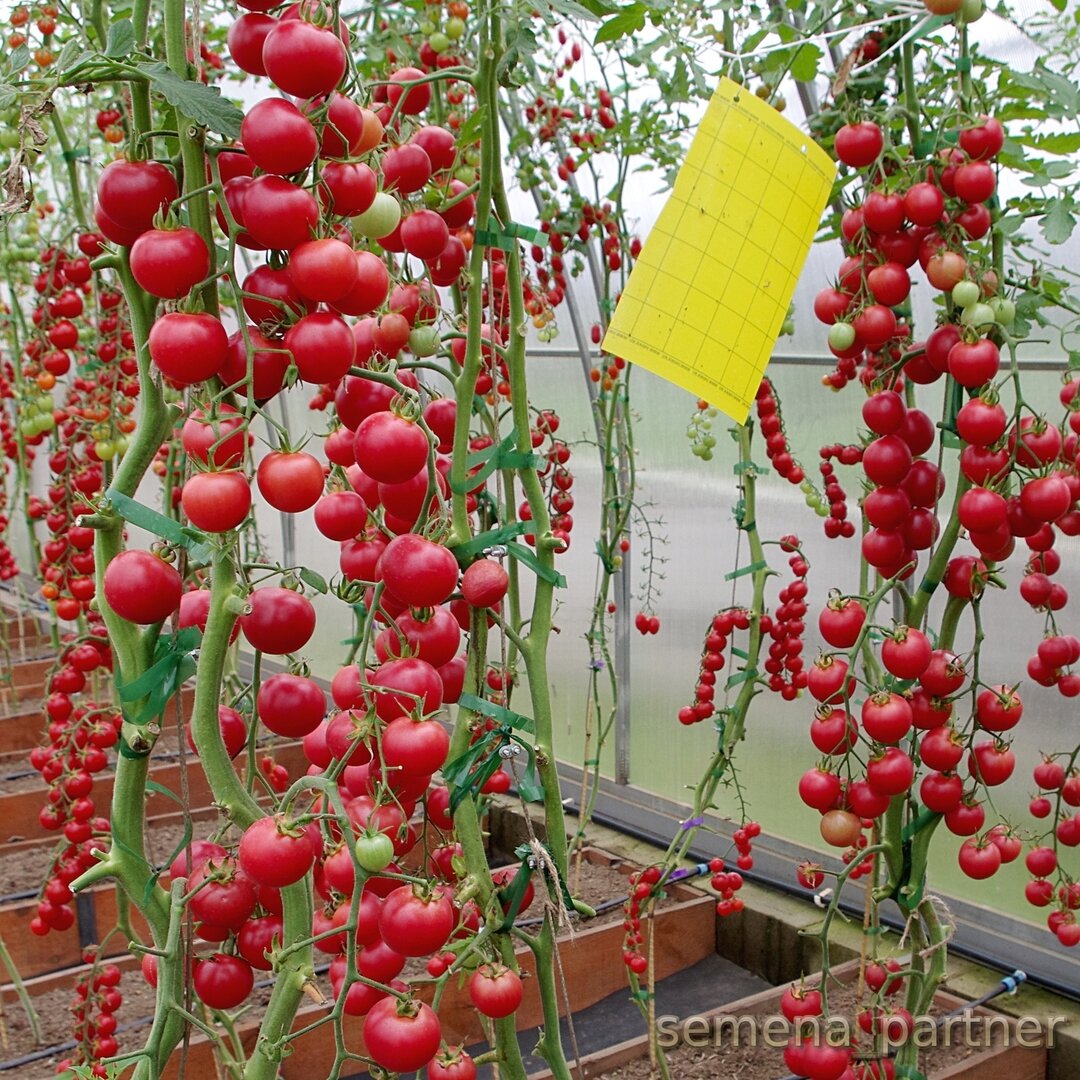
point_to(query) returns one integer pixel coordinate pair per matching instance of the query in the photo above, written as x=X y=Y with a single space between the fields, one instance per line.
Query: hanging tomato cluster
x=80 y=732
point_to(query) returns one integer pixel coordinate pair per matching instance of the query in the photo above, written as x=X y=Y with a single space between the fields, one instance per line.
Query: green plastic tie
x=549 y=574
x=750 y=568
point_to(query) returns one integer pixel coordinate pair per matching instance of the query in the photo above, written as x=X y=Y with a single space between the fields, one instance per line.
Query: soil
x=601 y=885
x=25 y=870
x=766 y=1062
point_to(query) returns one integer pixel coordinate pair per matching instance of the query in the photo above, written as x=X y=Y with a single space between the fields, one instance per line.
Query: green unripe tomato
x=427 y=28
x=841 y=335
x=1004 y=310
x=105 y=449
x=977 y=315
x=965 y=293
x=972 y=11
x=455 y=28
x=424 y=341
x=439 y=42
x=374 y=852
x=381 y=218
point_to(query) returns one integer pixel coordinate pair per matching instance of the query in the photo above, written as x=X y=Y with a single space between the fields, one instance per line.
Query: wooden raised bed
x=19 y=811
x=1006 y=1062
x=592 y=965
x=23 y=683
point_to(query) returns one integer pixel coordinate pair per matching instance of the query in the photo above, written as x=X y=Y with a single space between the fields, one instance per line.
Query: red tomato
x=291 y=705
x=290 y=482
x=222 y=981
x=216 y=501
x=322 y=345
x=274 y=853
x=169 y=262
x=141 y=588
x=303 y=59
x=417 y=571
x=130 y=193
x=495 y=990
x=278 y=137
x=401 y=1036
x=413 y=923
x=281 y=621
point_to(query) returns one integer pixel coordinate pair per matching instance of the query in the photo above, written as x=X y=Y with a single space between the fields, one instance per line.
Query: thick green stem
x=192 y=152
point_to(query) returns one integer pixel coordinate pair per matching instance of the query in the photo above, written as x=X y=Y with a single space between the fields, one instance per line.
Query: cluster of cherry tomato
x=78 y=739
x=837 y=523
x=644 y=885
x=727 y=883
x=784 y=665
x=888 y=719
x=97 y=1000
x=24 y=20
x=1056 y=803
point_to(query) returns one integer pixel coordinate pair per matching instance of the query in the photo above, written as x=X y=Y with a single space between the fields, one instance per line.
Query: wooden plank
x=25 y=729
x=64 y=979
x=19 y=811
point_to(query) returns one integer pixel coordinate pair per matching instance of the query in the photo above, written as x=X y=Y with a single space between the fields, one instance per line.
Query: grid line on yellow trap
x=709 y=293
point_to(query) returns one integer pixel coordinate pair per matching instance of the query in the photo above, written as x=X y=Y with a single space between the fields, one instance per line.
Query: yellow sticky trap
x=709 y=293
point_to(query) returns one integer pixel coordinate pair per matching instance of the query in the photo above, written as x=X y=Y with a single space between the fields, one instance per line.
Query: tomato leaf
x=520 y=48
x=18 y=59
x=1062 y=142
x=1058 y=222
x=804 y=67
x=197 y=101
x=121 y=39
x=70 y=56
x=590 y=9
x=629 y=21
x=313 y=580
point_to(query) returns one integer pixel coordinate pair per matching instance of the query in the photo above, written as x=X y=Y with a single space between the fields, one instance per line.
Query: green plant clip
x=506 y=237
x=750 y=568
x=524 y=555
x=503 y=455
x=512 y=895
x=131 y=755
x=608 y=565
x=918 y=823
x=172 y=666
x=193 y=541
x=524 y=851
x=465 y=551
x=736 y=651
x=496 y=712
x=741 y=677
